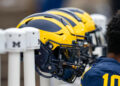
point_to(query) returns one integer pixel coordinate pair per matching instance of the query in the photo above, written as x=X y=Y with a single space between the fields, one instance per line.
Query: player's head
x=58 y=53
x=113 y=35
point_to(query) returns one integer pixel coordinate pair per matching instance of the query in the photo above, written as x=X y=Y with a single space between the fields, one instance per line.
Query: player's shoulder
x=91 y=72
x=102 y=66
x=92 y=77
x=105 y=64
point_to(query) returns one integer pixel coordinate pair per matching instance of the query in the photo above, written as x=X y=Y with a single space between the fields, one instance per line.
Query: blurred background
x=12 y=11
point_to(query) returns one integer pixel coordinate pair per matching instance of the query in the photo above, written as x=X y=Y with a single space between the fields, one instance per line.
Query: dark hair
x=113 y=35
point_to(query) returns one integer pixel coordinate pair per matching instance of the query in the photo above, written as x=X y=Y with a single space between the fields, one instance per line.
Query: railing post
x=2 y=47
x=44 y=81
x=16 y=43
x=100 y=20
x=32 y=38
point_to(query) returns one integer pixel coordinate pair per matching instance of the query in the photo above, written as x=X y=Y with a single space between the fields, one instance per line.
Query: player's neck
x=114 y=56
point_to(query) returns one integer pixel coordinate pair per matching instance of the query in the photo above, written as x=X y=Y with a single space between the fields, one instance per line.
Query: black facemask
x=61 y=61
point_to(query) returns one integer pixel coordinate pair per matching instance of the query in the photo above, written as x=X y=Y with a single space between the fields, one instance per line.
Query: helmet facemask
x=65 y=58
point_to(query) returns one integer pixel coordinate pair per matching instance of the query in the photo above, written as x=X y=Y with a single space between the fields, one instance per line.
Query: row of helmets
x=68 y=38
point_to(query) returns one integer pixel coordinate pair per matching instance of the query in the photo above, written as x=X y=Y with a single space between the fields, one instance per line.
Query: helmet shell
x=51 y=29
x=73 y=20
x=85 y=17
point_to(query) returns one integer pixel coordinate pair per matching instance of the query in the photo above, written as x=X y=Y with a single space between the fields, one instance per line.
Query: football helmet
x=73 y=20
x=93 y=30
x=78 y=28
x=85 y=18
x=59 y=53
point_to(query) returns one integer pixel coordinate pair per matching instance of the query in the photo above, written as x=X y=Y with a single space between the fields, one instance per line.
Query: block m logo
x=16 y=44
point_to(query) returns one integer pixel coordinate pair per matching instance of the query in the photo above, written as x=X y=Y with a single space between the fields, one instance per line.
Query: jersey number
x=112 y=79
